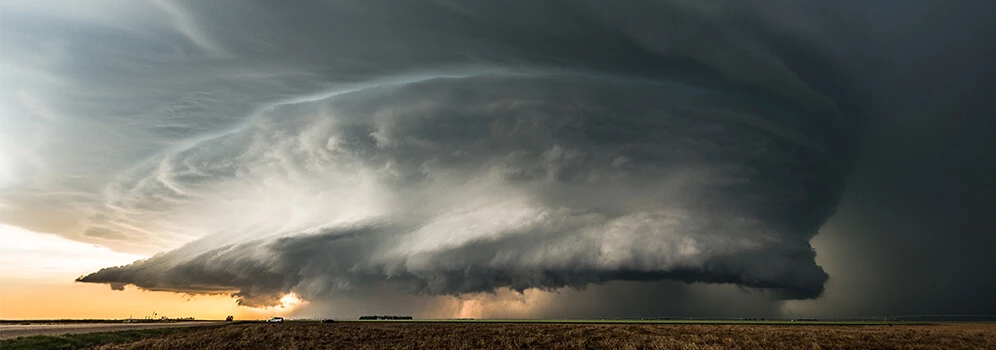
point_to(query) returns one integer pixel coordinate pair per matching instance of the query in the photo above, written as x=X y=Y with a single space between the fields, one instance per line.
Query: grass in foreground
x=88 y=340
x=667 y=321
x=418 y=335
x=88 y=320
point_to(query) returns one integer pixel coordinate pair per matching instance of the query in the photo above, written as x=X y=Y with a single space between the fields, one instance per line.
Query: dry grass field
x=415 y=335
x=27 y=329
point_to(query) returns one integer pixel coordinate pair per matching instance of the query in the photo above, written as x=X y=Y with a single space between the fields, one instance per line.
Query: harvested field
x=417 y=335
x=8 y=331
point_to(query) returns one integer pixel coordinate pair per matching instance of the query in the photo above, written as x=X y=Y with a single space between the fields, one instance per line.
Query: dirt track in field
x=8 y=331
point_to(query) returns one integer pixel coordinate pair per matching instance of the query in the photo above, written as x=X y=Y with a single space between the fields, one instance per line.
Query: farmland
x=474 y=335
x=24 y=329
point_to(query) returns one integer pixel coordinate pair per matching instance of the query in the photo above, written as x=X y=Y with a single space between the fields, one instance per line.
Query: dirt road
x=8 y=331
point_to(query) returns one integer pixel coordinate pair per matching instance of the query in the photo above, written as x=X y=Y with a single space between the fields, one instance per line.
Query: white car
x=275 y=319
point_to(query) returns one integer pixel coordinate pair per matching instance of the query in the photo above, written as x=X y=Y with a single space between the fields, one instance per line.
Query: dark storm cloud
x=538 y=146
x=522 y=181
x=341 y=149
x=914 y=234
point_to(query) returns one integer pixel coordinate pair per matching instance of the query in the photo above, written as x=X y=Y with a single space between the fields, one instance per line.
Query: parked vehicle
x=328 y=320
x=275 y=319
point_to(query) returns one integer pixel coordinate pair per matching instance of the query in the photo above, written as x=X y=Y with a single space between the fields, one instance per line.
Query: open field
x=476 y=335
x=575 y=334
x=673 y=321
x=95 y=320
x=88 y=340
x=8 y=330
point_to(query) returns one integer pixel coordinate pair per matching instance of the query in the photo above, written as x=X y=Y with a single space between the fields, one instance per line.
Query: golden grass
x=402 y=335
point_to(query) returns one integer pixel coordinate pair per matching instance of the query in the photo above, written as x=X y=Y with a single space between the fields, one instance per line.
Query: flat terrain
x=8 y=331
x=477 y=335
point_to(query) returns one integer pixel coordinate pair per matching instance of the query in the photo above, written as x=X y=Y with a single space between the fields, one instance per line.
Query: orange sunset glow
x=38 y=275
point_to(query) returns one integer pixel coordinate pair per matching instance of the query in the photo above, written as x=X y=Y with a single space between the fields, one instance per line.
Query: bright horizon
x=38 y=275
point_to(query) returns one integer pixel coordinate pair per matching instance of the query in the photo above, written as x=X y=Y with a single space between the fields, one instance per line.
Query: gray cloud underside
x=434 y=147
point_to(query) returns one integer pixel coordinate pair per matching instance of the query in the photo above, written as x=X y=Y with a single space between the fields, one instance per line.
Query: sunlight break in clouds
x=27 y=255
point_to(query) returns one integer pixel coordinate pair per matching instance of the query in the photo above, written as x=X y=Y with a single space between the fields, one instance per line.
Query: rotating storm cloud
x=462 y=185
x=433 y=148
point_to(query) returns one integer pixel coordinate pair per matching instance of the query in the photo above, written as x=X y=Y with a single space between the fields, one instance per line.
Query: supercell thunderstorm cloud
x=435 y=148
x=495 y=181
x=490 y=163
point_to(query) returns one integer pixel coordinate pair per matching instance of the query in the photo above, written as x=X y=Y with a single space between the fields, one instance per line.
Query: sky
x=546 y=159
